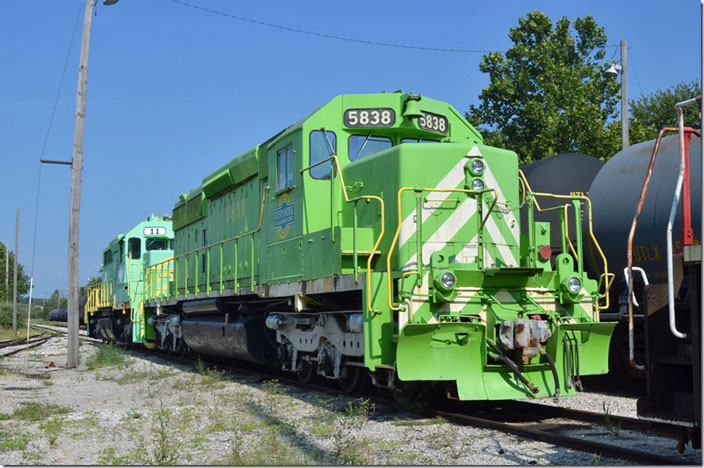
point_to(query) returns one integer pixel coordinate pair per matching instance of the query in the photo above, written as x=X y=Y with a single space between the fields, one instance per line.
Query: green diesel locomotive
x=378 y=237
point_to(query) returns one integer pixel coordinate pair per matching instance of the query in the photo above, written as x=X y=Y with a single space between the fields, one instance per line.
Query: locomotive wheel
x=352 y=381
x=405 y=393
x=305 y=375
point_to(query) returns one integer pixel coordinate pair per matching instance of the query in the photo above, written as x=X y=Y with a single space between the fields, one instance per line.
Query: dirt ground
x=125 y=407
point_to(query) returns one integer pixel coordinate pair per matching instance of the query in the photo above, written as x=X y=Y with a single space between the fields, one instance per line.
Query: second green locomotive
x=379 y=237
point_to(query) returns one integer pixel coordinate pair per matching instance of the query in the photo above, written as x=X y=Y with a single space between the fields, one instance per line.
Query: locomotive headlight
x=476 y=167
x=477 y=185
x=574 y=284
x=448 y=280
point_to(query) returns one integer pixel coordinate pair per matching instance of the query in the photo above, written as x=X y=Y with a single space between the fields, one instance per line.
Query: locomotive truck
x=377 y=237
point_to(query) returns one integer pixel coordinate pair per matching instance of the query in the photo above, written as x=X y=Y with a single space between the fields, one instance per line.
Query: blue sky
x=173 y=92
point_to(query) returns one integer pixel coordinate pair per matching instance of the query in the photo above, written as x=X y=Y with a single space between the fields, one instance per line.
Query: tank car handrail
x=675 y=201
x=631 y=234
x=354 y=201
x=606 y=278
x=628 y=279
x=398 y=307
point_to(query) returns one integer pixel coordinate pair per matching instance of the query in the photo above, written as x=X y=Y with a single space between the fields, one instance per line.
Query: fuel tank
x=563 y=174
x=614 y=194
x=208 y=329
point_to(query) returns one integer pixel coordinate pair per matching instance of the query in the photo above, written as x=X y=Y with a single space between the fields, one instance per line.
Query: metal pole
x=29 y=307
x=701 y=113
x=14 y=281
x=624 y=95
x=76 y=168
x=7 y=271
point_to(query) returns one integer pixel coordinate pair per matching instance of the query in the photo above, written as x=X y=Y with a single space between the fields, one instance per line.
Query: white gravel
x=149 y=411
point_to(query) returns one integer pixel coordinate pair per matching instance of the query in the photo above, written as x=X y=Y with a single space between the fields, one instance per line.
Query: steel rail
x=29 y=345
x=20 y=341
x=561 y=440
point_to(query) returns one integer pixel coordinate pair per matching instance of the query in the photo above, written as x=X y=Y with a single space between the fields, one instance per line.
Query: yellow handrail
x=608 y=277
x=352 y=200
x=397 y=307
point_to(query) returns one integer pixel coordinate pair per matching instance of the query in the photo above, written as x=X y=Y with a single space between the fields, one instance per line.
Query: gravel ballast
x=122 y=407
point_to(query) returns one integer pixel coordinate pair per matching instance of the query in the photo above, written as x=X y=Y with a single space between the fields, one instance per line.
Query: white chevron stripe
x=445 y=232
x=500 y=242
x=510 y=217
x=451 y=180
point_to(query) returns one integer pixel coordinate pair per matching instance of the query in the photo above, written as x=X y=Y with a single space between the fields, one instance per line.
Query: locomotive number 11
x=374 y=117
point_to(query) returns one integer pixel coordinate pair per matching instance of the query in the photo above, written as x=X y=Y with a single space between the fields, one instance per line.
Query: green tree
x=22 y=278
x=549 y=93
x=53 y=301
x=653 y=111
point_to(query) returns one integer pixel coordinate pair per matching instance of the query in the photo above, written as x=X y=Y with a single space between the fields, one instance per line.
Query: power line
x=635 y=72
x=329 y=36
x=48 y=132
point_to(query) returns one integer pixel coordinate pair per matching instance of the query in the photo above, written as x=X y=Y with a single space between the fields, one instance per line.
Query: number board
x=154 y=231
x=434 y=123
x=373 y=117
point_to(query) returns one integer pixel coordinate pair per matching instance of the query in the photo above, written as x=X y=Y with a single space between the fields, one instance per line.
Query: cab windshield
x=361 y=146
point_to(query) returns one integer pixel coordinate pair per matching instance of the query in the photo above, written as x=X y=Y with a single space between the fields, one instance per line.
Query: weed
x=322 y=429
x=13 y=442
x=32 y=455
x=166 y=447
x=4 y=416
x=108 y=355
x=363 y=408
x=38 y=411
x=596 y=457
x=273 y=387
x=386 y=445
x=52 y=428
x=608 y=423
x=210 y=377
x=108 y=456
x=47 y=383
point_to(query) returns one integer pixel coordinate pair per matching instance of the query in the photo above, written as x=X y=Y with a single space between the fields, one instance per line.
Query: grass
x=52 y=428
x=38 y=411
x=607 y=423
x=6 y=333
x=107 y=356
x=210 y=377
x=9 y=442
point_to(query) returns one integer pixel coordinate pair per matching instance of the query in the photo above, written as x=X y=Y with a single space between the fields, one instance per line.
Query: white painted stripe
x=500 y=242
x=445 y=232
x=510 y=217
x=451 y=180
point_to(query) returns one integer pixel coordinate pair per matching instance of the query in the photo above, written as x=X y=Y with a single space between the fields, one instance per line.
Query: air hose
x=568 y=381
x=512 y=365
x=548 y=358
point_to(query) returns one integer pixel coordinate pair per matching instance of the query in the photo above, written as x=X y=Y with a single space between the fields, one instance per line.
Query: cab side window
x=134 y=246
x=284 y=168
x=323 y=144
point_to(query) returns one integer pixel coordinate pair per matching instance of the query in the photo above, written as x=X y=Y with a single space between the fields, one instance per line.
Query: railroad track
x=10 y=347
x=532 y=421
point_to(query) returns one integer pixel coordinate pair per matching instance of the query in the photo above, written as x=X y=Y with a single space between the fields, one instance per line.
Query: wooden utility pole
x=624 y=95
x=76 y=169
x=14 y=281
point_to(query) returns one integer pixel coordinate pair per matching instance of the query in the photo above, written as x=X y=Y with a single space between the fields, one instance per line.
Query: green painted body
x=247 y=229
x=125 y=260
